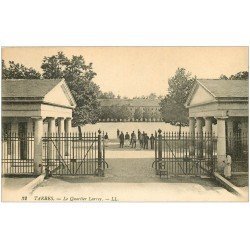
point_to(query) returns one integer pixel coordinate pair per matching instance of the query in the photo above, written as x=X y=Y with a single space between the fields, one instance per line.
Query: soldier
x=118 y=133
x=142 y=139
x=152 y=141
x=121 y=137
x=139 y=134
x=133 y=140
x=127 y=138
x=146 y=138
x=106 y=140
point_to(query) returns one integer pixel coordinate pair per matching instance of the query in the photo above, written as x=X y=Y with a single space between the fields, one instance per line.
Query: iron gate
x=74 y=154
x=184 y=154
x=237 y=147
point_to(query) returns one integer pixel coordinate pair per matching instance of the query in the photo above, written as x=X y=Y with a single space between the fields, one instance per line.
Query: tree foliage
x=173 y=108
x=18 y=71
x=138 y=114
x=223 y=77
x=242 y=75
x=116 y=112
x=106 y=95
x=79 y=77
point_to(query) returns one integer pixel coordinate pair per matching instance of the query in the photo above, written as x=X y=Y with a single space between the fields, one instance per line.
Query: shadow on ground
x=136 y=170
x=239 y=180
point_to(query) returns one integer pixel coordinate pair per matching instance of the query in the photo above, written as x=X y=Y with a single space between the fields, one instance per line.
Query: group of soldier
x=132 y=140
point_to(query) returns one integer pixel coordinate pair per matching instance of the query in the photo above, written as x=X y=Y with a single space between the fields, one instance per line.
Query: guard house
x=225 y=103
x=31 y=108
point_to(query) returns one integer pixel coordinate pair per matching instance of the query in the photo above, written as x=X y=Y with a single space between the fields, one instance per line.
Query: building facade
x=149 y=106
x=31 y=108
x=225 y=103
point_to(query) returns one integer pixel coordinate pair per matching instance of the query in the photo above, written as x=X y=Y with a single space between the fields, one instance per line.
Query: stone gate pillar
x=51 y=136
x=199 y=124
x=61 y=137
x=192 y=135
x=221 y=142
x=67 y=129
x=38 y=144
x=209 y=136
x=230 y=136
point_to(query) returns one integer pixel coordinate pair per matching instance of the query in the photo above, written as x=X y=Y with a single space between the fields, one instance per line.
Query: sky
x=137 y=71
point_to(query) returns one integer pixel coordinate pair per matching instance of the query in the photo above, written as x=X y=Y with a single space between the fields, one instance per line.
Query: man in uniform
x=121 y=137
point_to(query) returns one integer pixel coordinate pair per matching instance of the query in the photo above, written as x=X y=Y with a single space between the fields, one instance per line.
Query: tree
x=173 y=108
x=138 y=114
x=54 y=66
x=106 y=95
x=79 y=77
x=223 y=77
x=152 y=96
x=18 y=71
x=243 y=75
x=146 y=114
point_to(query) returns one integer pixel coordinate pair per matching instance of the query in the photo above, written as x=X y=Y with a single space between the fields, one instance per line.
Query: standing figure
x=227 y=168
x=139 y=134
x=142 y=139
x=121 y=137
x=152 y=141
x=133 y=139
x=118 y=133
x=106 y=139
x=127 y=139
x=146 y=138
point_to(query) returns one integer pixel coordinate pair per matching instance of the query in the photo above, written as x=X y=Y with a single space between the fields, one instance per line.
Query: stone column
x=244 y=127
x=192 y=135
x=14 y=135
x=244 y=137
x=221 y=143
x=60 y=125
x=30 y=126
x=208 y=125
x=38 y=144
x=67 y=131
x=51 y=135
x=199 y=127
x=30 y=133
x=61 y=135
x=209 y=136
x=230 y=136
x=67 y=127
x=51 y=125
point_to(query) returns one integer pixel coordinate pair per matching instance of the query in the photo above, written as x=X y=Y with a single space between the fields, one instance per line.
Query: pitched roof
x=226 y=88
x=130 y=102
x=27 y=88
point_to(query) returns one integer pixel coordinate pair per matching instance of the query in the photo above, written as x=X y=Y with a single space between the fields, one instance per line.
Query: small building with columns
x=222 y=102
x=35 y=106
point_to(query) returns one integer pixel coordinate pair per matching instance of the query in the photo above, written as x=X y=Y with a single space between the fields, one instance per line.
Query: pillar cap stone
x=37 y=117
x=221 y=117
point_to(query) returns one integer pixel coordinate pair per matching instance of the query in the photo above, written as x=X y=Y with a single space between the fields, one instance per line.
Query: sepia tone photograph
x=124 y=124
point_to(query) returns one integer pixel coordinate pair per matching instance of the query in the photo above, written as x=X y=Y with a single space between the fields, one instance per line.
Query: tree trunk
x=179 y=131
x=80 y=132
